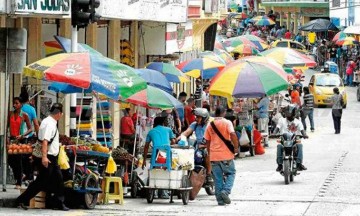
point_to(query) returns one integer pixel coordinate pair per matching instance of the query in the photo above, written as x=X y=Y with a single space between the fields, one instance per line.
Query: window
x=335 y=3
x=328 y=81
x=282 y=44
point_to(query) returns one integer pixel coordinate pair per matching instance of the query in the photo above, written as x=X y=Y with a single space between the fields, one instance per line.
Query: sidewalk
x=7 y=198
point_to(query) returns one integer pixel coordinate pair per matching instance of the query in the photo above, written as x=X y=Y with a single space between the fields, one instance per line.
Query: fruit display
x=84 y=148
x=20 y=149
x=100 y=148
x=65 y=140
x=120 y=153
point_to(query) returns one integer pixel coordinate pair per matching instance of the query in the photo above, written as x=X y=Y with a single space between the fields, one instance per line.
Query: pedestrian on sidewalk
x=263 y=120
x=221 y=152
x=337 y=105
x=50 y=178
x=19 y=128
x=308 y=109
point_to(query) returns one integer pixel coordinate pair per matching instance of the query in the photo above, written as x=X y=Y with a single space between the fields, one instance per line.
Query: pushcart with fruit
x=82 y=181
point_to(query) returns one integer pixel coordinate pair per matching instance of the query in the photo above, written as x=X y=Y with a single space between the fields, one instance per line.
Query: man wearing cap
x=221 y=152
x=50 y=178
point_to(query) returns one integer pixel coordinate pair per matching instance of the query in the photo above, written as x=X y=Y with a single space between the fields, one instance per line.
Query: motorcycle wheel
x=286 y=171
x=210 y=190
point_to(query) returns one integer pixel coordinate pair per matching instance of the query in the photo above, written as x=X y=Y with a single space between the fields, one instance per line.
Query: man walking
x=308 y=109
x=50 y=178
x=221 y=154
x=263 y=120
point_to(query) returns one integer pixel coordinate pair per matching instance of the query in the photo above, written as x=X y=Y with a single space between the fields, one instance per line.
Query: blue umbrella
x=65 y=43
x=155 y=78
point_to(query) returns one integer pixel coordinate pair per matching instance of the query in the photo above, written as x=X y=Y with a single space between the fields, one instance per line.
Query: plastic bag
x=63 y=160
x=244 y=139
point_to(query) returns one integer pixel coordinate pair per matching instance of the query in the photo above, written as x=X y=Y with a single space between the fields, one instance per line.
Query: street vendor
x=159 y=135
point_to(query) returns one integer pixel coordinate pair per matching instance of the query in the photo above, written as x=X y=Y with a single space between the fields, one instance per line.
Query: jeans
x=279 y=153
x=333 y=60
x=310 y=114
x=224 y=176
x=349 y=79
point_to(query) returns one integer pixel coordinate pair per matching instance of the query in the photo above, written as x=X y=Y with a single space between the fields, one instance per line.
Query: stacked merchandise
x=85 y=124
x=127 y=54
x=103 y=135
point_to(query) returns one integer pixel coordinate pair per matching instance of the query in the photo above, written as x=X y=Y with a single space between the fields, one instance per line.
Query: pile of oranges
x=20 y=149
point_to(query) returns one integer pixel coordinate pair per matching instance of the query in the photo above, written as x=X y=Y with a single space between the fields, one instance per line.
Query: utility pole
x=82 y=14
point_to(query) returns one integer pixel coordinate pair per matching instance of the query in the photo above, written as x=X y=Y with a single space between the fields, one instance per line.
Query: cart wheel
x=90 y=199
x=185 y=195
x=150 y=195
x=134 y=189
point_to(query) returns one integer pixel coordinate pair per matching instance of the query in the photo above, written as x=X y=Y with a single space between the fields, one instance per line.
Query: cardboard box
x=38 y=202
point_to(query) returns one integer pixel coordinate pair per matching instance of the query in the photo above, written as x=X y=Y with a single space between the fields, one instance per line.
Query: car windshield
x=328 y=81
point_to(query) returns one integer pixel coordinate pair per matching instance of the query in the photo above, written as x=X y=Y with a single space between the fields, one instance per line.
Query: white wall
x=342 y=12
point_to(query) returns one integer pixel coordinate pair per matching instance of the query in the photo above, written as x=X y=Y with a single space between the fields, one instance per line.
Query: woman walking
x=337 y=105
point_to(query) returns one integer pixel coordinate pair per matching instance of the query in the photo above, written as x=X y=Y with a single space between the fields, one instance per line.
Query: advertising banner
x=41 y=7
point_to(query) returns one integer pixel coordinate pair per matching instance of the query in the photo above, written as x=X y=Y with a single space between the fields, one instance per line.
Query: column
x=281 y=18
x=134 y=39
x=16 y=79
x=288 y=20
x=2 y=21
x=64 y=123
x=114 y=34
x=296 y=23
x=91 y=40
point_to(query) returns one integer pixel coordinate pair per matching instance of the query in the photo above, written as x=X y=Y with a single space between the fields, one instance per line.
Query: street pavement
x=330 y=186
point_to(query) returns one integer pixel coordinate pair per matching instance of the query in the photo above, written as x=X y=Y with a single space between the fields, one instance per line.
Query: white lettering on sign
x=108 y=85
x=57 y=7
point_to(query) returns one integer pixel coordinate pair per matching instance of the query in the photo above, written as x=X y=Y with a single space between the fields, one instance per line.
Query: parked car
x=321 y=85
x=290 y=44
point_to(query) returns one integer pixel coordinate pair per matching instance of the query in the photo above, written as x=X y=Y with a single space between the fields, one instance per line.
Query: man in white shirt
x=50 y=178
x=292 y=125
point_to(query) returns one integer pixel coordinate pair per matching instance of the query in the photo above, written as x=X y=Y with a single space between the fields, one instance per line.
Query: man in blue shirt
x=263 y=120
x=30 y=111
x=159 y=135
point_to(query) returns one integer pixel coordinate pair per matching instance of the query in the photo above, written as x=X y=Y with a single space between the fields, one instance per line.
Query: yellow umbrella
x=346 y=41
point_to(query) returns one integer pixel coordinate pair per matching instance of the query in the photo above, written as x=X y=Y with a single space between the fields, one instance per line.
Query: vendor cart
x=86 y=178
x=246 y=120
x=175 y=180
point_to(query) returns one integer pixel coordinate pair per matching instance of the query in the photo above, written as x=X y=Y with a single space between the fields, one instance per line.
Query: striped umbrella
x=246 y=50
x=212 y=55
x=288 y=57
x=250 y=77
x=233 y=42
x=265 y=22
x=224 y=55
x=260 y=43
x=346 y=41
x=339 y=35
x=201 y=67
x=171 y=73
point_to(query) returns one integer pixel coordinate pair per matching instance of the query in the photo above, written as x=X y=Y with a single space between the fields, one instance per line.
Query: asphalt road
x=330 y=186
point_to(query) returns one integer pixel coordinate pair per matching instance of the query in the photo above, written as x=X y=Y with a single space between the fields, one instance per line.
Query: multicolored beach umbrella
x=339 y=35
x=155 y=78
x=233 y=42
x=249 y=77
x=201 y=67
x=288 y=57
x=172 y=73
x=246 y=50
x=260 y=43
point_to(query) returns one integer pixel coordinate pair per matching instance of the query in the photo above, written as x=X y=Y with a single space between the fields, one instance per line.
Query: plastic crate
x=163 y=179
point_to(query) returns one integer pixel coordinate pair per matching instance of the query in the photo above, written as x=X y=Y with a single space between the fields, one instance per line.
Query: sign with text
x=152 y=10
x=179 y=37
x=42 y=7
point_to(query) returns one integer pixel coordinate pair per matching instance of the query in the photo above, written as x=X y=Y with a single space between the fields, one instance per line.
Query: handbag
x=228 y=143
x=37 y=147
x=244 y=140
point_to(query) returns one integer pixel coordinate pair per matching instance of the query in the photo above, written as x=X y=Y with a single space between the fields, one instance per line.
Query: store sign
x=314 y=12
x=179 y=37
x=51 y=7
x=151 y=10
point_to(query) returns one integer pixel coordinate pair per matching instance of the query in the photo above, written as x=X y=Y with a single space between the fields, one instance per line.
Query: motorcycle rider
x=292 y=124
x=202 y=119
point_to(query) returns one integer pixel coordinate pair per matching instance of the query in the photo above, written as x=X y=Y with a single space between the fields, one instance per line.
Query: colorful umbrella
x=246 y=50
x=265 y=22
x=260 y=43
x=218 y=45
x=288 y=57
x=224 y=55
x=257 y=18
x=156 y=79
x=78 y=71
x=212 y=55
x=152 y=97
x=62 y=45
x=201 y=67
x=249 y=77
x=233 y=42
x=171 y=73
x=339 y=35
x=346 y=41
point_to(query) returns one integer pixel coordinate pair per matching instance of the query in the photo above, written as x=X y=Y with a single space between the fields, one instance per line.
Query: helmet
x=291 y=112
x=203 y=113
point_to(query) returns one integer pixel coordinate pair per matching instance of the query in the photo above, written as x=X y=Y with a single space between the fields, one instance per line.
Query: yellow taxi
x=321 y=85
x=290 y=44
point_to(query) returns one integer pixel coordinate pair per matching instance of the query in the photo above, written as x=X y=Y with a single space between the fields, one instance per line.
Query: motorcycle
x=289 y=141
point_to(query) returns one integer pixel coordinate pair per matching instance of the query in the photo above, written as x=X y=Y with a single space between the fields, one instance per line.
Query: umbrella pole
x=102 y=119
x=78 y=131
x=132 y=164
